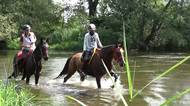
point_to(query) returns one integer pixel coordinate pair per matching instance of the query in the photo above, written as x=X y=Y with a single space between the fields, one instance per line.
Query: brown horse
x=95 y=68
x=32 y=64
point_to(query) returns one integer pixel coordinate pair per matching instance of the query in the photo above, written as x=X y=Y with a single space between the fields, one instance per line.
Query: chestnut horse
x=95 y=67
x=33 y=64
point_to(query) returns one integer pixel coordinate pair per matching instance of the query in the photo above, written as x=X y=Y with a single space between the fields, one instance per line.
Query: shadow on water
x=51 y=92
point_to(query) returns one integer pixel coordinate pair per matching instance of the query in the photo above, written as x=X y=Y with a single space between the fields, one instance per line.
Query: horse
x=95 y=66
x=33 y=63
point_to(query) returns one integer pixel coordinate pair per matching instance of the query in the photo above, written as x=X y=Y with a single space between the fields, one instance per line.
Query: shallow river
x=145 y=67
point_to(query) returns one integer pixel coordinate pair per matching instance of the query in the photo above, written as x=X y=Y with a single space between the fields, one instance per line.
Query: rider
x=91 y=41
x=27 y=42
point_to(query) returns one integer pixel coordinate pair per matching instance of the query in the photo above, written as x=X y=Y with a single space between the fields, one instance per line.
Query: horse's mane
x=106 y=50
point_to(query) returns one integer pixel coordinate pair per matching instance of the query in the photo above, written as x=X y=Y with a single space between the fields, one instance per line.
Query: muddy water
x=51 y=92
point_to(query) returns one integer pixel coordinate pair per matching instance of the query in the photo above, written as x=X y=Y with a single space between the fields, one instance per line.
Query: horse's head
x=44 y=48
x=118 y=54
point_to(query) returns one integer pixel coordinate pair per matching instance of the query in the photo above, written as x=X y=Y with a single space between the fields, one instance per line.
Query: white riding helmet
x=92 y=27
x=26 y=26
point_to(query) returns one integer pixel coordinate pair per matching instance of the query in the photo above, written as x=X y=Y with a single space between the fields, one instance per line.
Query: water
x=51 y=92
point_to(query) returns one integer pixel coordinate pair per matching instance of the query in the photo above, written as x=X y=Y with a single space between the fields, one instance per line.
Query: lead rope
x=108 y=72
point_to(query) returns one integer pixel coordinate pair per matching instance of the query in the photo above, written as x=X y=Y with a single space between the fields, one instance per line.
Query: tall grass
x=121 y=96
x=127 y=69
x=163 y=74
x=78 y=101
x=130 y=83
x=12 y=95
x=173 y=98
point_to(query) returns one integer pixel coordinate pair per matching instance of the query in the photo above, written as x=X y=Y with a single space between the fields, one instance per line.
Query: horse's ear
x=47 y=40
x=118 y=44
x=121 y=45
x=41 y=40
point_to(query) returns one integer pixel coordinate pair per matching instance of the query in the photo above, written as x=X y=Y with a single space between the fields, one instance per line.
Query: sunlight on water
x=89 y=82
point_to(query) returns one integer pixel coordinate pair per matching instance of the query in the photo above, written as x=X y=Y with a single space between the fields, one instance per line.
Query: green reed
x=163 y=74
x=173 y=98
x=127 y=69
x=13 y=95
x=121 y=96
x=130 y=83
x=78 y=101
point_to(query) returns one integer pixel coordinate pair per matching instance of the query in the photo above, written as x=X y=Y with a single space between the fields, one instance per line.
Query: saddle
x=87 y=56
x=23 y=55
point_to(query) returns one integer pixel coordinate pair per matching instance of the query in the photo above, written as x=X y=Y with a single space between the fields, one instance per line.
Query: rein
x=94 y=51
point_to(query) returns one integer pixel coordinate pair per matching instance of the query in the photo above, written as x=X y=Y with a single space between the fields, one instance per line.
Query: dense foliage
x=151 y=24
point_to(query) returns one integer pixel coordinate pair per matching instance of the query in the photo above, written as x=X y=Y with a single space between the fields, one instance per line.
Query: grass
x=78 y=101
x=163 y=74
x=166 y=72
x=173 y=98
x=121 y=96
x=127 y=69
x=13 y=95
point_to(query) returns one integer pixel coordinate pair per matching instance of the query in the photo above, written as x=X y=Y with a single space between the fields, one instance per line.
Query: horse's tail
x=65 y=69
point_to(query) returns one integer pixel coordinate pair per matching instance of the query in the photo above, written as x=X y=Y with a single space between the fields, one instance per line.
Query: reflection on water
x=51 y=92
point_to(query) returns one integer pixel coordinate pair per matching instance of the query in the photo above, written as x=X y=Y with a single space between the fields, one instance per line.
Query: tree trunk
x=92 y=9
x=157 y=24
x=142 y=23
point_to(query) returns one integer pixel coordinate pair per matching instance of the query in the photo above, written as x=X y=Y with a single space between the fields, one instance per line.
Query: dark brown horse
x=33 y=64
x=95 y=68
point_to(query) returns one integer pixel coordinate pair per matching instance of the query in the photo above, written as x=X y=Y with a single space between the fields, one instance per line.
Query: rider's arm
x=99 y=42
x=21 y=40
x=33 y=40
x=85 y=43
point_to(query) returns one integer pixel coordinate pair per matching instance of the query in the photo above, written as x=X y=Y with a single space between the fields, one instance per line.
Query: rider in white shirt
x=28 y=39
x=27 y=42
x=91 y=41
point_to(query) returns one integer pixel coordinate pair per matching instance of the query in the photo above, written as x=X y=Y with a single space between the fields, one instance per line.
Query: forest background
x=151 y=25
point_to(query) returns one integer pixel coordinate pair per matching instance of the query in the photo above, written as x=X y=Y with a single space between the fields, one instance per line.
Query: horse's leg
x=98 y=82
x=69 y=74
x=82 y=75
x=27 y=78
x=37 y=74
x=24 y=74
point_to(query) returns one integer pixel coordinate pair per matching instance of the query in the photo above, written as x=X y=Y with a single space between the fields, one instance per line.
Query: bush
x=13 y=44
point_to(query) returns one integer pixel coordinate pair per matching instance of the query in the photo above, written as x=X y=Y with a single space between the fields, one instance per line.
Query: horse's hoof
x=112 y=86
x=36 y=84
x=82 y=78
